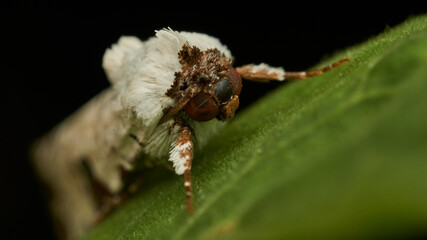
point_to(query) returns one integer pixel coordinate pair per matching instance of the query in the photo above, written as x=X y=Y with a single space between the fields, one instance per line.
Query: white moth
x=165 y=93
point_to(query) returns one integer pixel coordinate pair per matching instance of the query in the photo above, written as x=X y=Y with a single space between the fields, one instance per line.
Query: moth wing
x=119 y=56
x=97 y=134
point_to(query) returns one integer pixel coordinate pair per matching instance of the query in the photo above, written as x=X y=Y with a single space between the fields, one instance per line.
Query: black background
x=51 y=64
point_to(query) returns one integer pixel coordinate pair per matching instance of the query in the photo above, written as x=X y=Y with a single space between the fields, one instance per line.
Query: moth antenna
x=266 y=73
x=315 y=72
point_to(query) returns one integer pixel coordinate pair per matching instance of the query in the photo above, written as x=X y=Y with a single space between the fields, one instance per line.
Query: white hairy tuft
x=120 y=54
x=178 y=158
x=205 y=42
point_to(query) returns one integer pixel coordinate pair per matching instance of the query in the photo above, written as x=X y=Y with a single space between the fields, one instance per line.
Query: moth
x=167 y=93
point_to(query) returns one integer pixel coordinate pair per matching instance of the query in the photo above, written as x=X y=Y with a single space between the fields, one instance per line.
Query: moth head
x=207 y=87
x=220 y=100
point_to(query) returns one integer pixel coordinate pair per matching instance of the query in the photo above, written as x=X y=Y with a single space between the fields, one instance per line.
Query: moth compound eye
x=236 y=80
x=224 y=91
x=202 y=107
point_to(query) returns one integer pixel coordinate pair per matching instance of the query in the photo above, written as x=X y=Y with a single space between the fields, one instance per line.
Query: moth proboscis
x=165 y=92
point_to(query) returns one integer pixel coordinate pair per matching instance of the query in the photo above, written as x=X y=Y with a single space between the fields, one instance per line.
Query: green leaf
x=339 y=156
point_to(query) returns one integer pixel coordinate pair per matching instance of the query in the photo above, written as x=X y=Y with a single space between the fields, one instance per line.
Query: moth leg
x=182 y=156
x=264 y=73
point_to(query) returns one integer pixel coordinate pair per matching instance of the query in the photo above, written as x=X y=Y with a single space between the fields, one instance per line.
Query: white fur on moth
x=164 y=92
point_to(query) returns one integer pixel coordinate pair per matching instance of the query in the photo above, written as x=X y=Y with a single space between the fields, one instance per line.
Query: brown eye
x=202 y=107
x=236 y=80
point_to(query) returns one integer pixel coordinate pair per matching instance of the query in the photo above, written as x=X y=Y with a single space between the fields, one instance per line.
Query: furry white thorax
x=142 y=72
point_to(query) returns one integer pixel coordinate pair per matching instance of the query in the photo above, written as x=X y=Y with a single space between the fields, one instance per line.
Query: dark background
x=52 y=65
